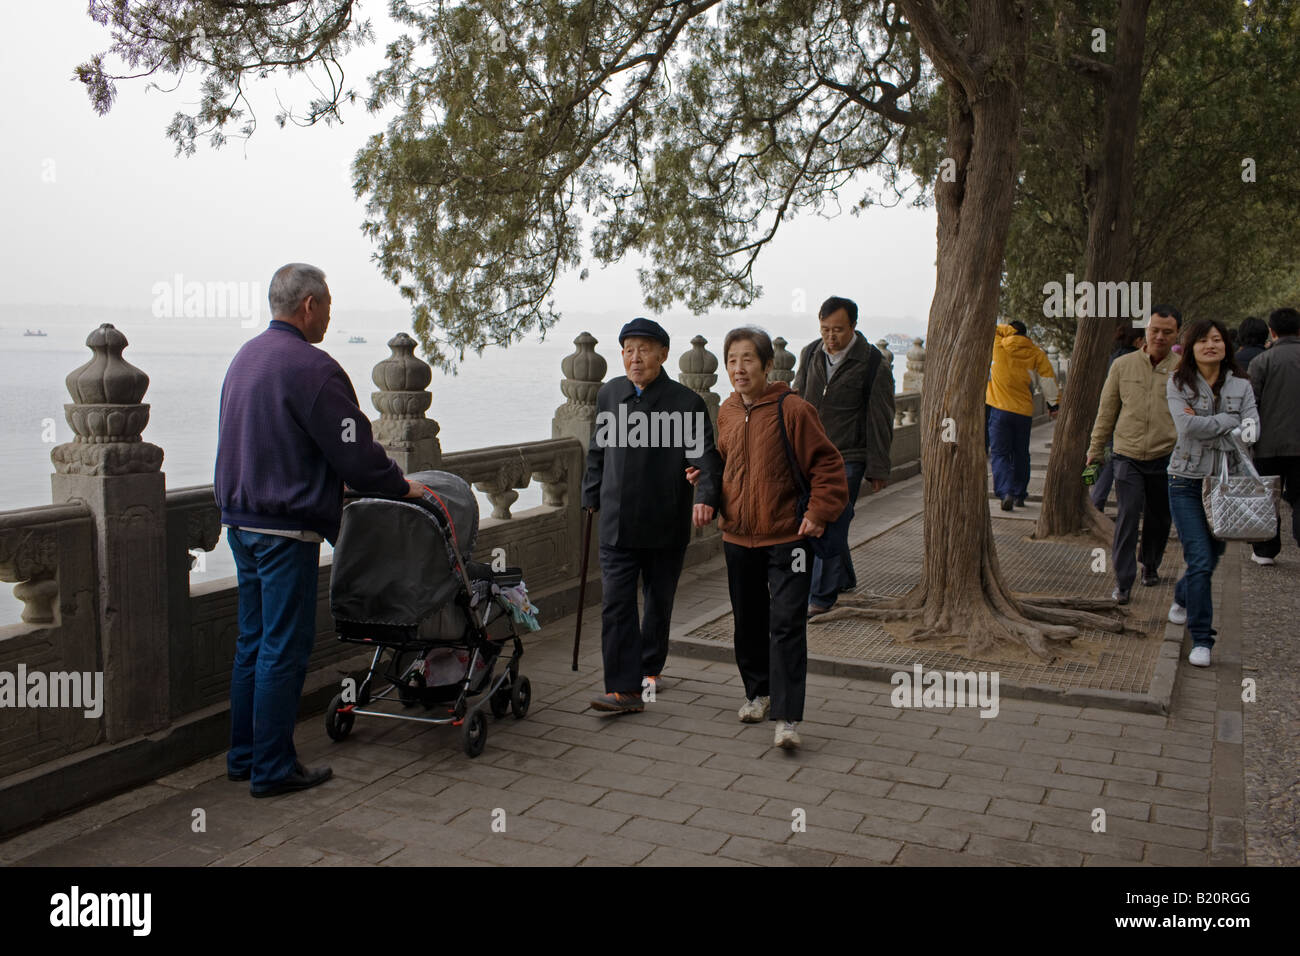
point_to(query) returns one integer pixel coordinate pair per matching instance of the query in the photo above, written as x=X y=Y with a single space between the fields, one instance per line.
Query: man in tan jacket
x=1134 y=414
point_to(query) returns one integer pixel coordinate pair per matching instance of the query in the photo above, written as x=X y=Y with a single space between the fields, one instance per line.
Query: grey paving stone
x=617 y=850
x=635 y=804
x=648 y=781
x=736 y=800
x=743 y=824
x=875 y=806
x=1186 y=799
x=678 y=857
x=929 y=796
x=1109 y=771
x=924 y=834
x=1086 y=841
x=1113 y=805
x=913 y=855
x=766 y=853
x=678 y=835
x=909 y=774
x=1058 y=781
x=1028 y=792
x=1027 y=854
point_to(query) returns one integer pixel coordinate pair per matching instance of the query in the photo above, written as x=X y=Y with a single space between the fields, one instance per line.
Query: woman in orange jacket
x=769 y=561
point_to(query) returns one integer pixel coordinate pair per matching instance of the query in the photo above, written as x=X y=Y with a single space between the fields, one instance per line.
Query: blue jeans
x=832 y=574
x=1008 y=439
x=1201 y=553
x=277 y=629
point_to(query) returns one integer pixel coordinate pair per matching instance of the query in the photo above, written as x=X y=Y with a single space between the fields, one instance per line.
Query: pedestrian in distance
x=1009 y=413
x=1252 y=340
x=290 y=435
x=648 y=430
x=845 y=378
x=1211 y=403
x=765 y=431
x=1134 y=415
x=1275 y=377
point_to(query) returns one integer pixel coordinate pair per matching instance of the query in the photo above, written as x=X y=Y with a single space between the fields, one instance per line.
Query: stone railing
x=104 y=571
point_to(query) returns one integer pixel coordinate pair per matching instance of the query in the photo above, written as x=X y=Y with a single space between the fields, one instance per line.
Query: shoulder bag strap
x=800 y=481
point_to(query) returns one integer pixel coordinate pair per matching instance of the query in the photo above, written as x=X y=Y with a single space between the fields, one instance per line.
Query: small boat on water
x=356 y=340
x=37 y=333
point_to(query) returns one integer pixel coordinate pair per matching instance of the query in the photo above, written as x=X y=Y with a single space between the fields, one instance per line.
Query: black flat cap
x=645 y=329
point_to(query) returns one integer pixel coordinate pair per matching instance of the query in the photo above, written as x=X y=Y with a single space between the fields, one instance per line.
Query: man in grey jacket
x=846 y=379
x=1275 y=377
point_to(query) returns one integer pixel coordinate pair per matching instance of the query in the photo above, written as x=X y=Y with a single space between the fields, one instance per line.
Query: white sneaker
x=1258 y=560
x=1199 y=656
x=755 y=711
x=786 y=736
x=1177 y=614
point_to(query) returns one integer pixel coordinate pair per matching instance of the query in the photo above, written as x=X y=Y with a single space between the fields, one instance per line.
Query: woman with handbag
x=1212 y=404
x=774 y=453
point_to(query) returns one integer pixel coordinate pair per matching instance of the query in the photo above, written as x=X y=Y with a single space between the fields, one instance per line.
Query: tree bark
x=1108 y=258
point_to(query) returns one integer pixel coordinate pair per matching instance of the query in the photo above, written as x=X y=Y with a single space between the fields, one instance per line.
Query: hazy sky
x=98 y=209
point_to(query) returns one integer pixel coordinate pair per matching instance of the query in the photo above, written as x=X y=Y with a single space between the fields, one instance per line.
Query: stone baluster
x=885 y=353
x=407 y=434
x=584 y=371
x=117 y=476
x=914 y=377
x=500 y=488
x=30 y=557
x=1054 y=359
x=782 y=362
x=699 y=369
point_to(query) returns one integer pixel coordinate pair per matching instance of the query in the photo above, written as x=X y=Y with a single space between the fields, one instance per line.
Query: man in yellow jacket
x=1009 y=401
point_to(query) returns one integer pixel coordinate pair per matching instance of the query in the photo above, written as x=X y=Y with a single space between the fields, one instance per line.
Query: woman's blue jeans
x=277 y=630
x=1201 y=553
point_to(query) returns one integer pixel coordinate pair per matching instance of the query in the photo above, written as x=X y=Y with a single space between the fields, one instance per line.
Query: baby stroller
x=403 y=582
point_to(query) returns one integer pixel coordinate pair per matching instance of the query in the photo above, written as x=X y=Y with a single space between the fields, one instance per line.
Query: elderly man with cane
x=649 y=429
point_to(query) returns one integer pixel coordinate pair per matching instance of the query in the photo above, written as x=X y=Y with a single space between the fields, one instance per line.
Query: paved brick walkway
x=686 y=783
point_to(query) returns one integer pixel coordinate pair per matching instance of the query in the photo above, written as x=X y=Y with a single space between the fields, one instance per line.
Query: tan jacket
x=758 y=490
x=1134 y=410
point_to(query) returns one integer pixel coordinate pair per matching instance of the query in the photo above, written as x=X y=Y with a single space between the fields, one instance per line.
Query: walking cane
x=582 y=583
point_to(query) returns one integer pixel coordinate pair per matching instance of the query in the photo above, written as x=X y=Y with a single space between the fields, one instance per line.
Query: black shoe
x=302 y=778
x=1008 y=503
x=1121 y=597
x=237 y=777
x=1150 y=579
x=1020 y=501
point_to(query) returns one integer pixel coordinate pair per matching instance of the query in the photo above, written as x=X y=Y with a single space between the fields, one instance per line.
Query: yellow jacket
x=1010 y=385
x=1134 y=410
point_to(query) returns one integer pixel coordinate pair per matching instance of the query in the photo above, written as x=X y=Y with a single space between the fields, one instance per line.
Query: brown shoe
x=814 y=610
x=619 y=703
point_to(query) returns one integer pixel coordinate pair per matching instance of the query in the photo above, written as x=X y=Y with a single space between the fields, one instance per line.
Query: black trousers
x=1288 y=466
x=1142 y=492
x=635 y=649
x=769 y=599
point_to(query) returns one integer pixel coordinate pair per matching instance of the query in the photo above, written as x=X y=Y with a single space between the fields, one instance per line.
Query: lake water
x=502 y=397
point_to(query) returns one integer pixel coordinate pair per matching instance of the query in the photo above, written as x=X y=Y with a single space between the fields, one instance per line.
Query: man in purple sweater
x=291 y=433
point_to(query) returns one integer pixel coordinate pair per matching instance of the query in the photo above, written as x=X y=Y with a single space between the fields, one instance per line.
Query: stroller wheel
x=474 y=733
x=500 y=701
x=338 y=723
x=521 y=695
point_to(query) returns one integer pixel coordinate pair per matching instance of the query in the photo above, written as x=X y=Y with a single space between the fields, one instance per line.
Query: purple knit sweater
x=291 y=433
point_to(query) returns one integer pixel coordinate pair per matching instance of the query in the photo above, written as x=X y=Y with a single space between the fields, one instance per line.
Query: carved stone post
x=888 y=356
x=584 y=371
x=782 y=362
x=914 y=377
x=409 y=437
x=114 y=473
x=699 y=369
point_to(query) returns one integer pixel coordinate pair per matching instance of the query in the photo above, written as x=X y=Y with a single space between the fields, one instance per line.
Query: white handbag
x=1240 y=507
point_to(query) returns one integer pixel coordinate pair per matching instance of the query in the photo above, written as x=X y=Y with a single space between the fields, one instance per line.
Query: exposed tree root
x=1097 y=524
x=985 y=615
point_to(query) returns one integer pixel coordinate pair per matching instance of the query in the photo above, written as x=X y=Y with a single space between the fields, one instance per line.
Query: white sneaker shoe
x=1258 y=560
x=1177 y=614
x=1199 y=656
x=787 y=737
x=755 y=711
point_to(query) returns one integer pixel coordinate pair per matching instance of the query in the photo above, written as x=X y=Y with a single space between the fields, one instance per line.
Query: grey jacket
x=861 y=426
x=1275 y=375
x=1203 y=434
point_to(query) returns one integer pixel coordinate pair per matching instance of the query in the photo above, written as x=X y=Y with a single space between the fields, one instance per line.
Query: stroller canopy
x=391 y=563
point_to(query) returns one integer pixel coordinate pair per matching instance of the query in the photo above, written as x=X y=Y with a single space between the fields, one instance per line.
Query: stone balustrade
x=104 y=571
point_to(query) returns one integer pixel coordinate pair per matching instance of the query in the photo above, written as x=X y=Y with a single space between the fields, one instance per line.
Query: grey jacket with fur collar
x=1203 y=433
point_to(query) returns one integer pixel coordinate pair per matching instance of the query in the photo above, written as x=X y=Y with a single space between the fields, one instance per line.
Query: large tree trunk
x=1109 y=258
x=961 y=593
